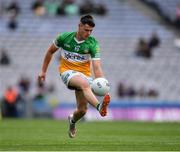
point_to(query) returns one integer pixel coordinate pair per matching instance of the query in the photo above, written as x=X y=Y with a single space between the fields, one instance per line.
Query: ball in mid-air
x=100 y=86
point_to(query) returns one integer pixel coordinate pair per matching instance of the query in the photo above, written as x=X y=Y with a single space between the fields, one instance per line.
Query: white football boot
x=72 y=127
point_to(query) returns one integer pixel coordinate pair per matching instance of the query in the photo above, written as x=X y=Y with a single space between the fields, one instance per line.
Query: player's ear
x=80 y=25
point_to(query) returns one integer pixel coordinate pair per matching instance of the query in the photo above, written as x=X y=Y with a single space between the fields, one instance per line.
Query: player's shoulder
x=92 y=40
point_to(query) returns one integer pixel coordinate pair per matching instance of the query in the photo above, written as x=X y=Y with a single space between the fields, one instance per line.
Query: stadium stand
x=167 y=9
x=117 y=32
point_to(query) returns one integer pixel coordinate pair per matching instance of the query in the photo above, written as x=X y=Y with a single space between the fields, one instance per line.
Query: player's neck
x=78 y=37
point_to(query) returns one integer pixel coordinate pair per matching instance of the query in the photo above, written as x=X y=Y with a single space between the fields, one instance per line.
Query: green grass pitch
x=51 y=135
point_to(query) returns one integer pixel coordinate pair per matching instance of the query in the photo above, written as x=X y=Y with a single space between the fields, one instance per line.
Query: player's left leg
x=104 y=105
x=78 y=113
x=81 y=83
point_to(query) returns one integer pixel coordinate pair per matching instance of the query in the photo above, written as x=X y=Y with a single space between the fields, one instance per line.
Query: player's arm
x=97 y=69
x=50 y=51
x=96 y=61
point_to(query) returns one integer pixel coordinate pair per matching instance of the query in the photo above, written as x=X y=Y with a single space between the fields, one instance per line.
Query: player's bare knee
x=85 y=85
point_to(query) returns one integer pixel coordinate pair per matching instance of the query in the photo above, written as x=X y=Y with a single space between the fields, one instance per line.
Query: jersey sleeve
x=95 y=51
x=58 y=42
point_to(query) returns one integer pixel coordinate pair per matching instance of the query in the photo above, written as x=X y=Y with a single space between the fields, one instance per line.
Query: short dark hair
x=87 y=19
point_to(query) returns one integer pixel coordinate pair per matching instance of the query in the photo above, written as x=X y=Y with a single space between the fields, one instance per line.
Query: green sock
x=72 y=121
x=98 y=106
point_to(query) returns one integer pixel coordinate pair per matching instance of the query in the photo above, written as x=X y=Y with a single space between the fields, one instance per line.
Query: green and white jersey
x=76 y=55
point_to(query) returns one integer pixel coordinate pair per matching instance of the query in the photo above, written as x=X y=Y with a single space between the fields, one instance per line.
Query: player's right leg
x=72 y=127
x=78 y=113
x=81 y=105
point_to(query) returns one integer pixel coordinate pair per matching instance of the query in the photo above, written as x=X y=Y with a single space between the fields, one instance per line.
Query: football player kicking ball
x=79 y=51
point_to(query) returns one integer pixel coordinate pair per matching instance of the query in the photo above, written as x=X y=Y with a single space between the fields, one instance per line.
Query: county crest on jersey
x=76 y=55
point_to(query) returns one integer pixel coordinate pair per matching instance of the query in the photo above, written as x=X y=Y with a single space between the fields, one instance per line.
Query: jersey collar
x=78 y=41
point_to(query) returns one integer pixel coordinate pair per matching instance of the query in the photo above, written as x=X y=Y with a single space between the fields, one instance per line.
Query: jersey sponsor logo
x=71 y=56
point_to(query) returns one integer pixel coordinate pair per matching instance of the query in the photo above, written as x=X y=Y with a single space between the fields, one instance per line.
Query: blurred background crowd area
x=139 y=40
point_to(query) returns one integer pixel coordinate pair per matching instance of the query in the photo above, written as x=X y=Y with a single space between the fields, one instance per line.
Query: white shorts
x=67 y=75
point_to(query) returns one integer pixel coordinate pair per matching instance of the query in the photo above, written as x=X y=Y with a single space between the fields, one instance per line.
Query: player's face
x=85 y=31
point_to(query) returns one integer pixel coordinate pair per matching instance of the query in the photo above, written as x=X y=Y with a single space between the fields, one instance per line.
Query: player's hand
x=41 y=77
